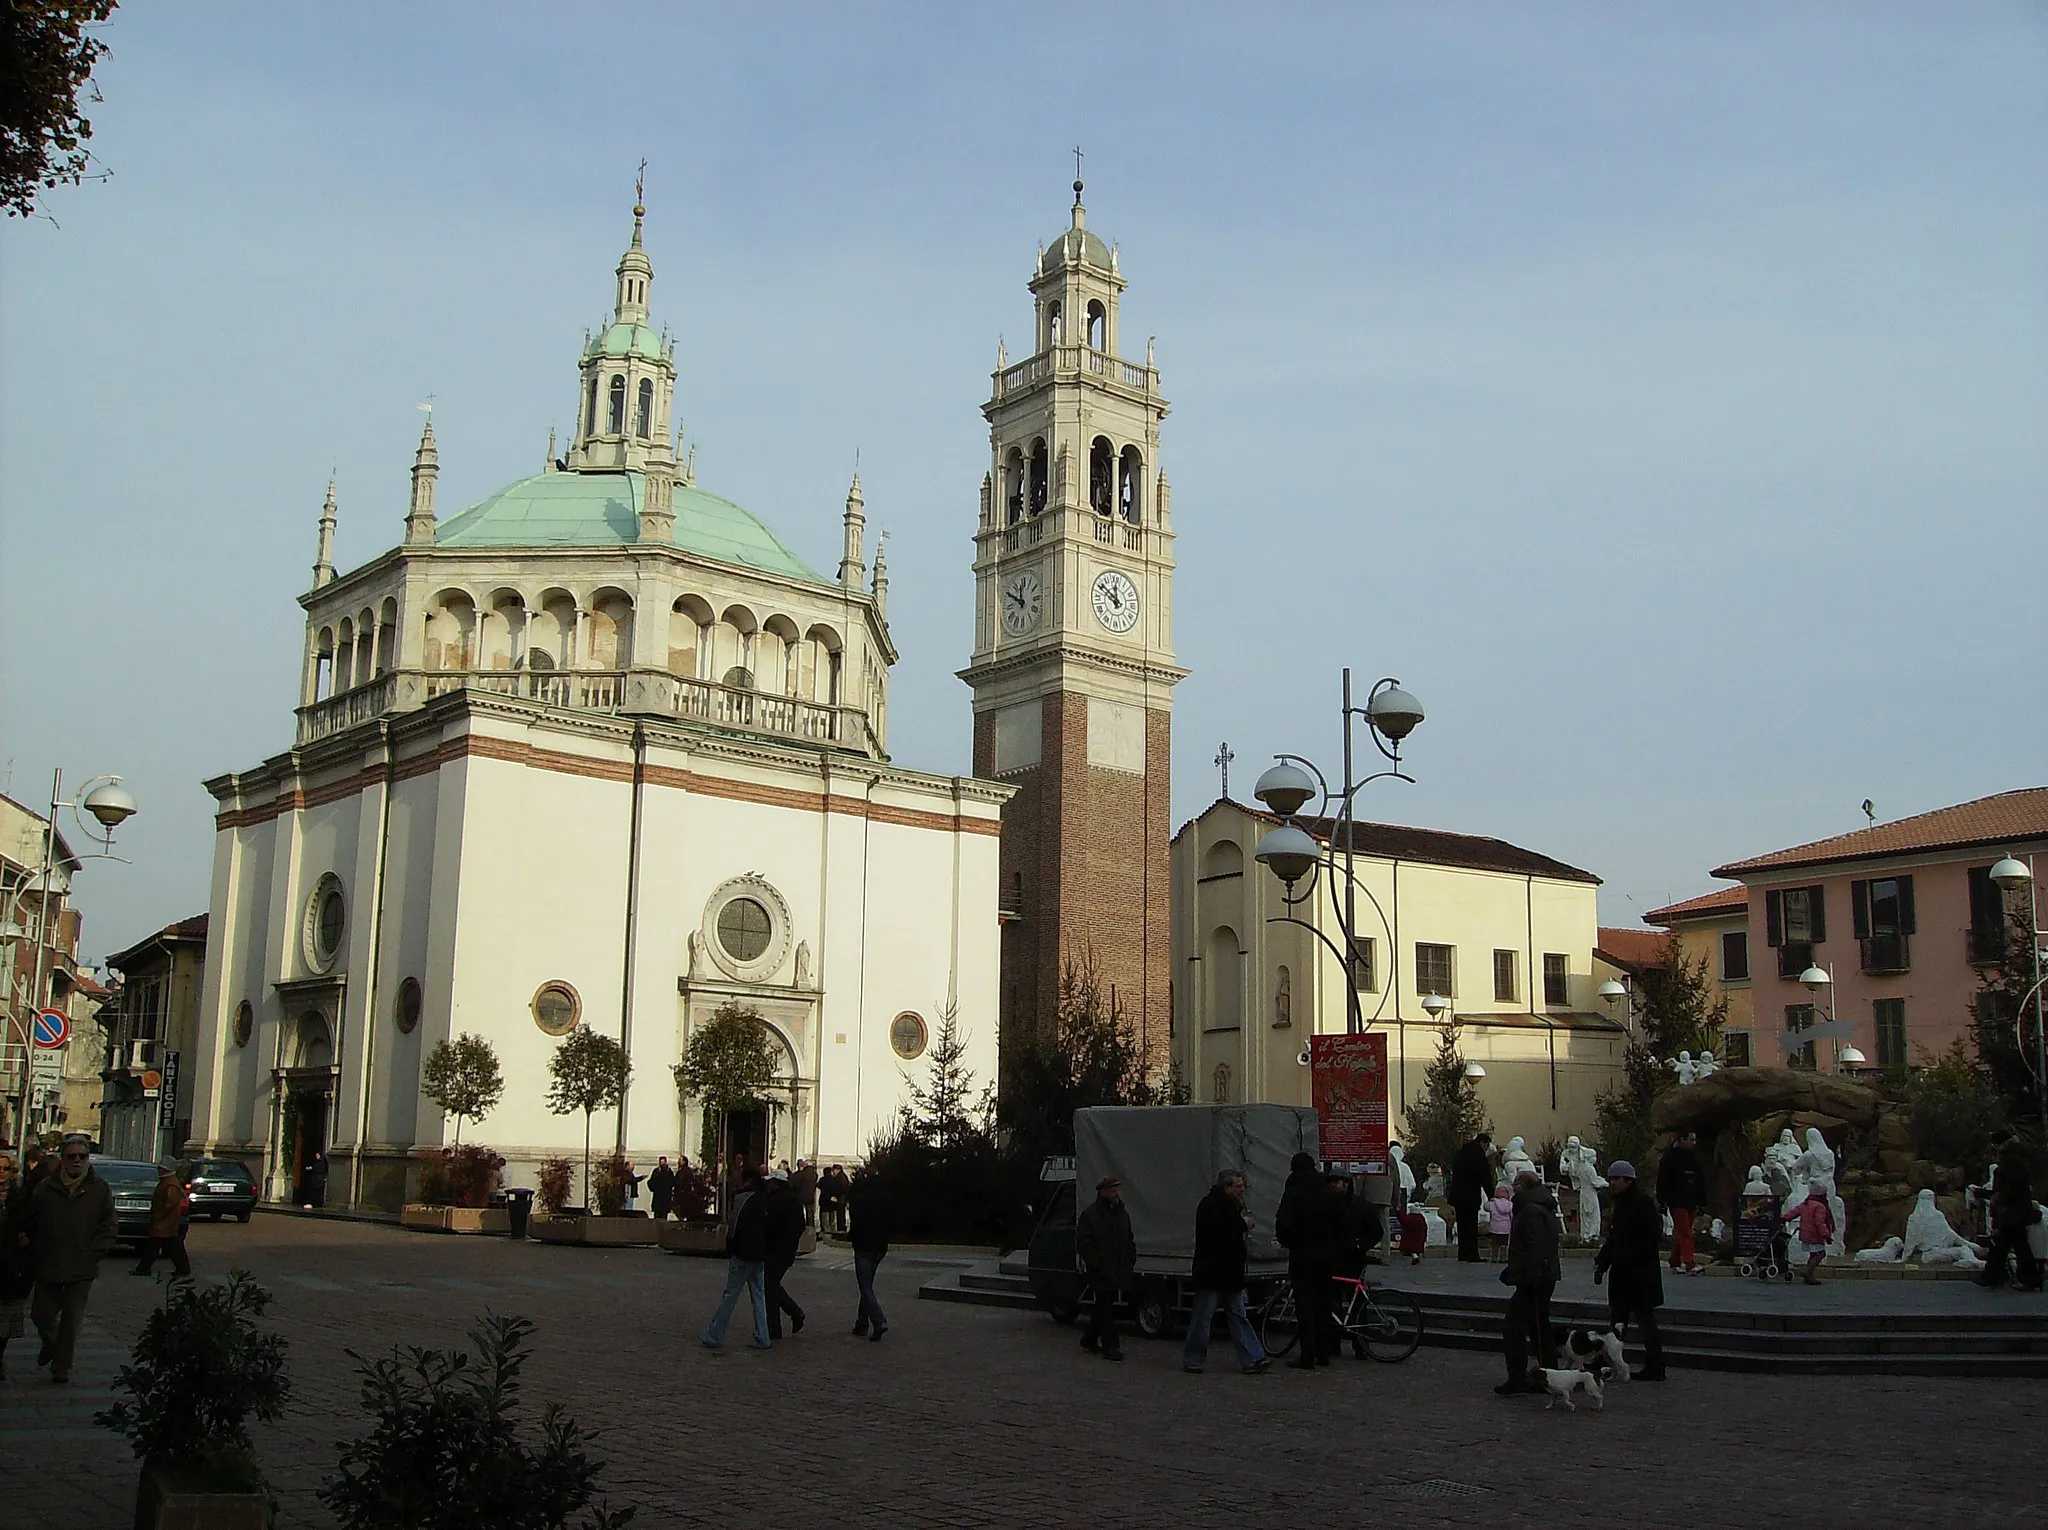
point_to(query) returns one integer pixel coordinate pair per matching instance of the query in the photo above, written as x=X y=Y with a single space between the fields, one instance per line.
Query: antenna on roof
x=1870 y=811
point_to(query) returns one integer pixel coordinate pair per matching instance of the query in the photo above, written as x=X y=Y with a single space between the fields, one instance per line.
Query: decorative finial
x=1223 y=758
x=428 y=406
x=549 y=465
x=1077 y=172
x=639 y=201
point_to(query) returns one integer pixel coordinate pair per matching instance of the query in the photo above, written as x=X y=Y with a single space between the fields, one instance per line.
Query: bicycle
x=1381 y=1323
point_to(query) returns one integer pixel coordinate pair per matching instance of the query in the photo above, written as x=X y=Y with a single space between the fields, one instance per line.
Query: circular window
x=407 y=1010
x=743 y=929
x=245 y=1024
x=557 y=1008
x=326 y=922
x=907 y=1035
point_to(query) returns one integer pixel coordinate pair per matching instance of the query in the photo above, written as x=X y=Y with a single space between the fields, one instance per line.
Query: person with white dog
x=1630 y=1256
x=1532 y=1268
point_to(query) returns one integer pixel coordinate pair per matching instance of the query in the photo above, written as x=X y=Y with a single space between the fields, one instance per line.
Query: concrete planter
x=693 y=1238
x=611 y=1232
x=457 y=1219
x=162 y=1508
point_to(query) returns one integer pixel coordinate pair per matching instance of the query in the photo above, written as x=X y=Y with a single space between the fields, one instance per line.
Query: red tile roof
x=1430 y=847
x=1631 y=949
x=1721 y=901
x=1987 y=823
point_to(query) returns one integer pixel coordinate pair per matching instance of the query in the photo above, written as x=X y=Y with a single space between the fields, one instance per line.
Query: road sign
x=167 y=1114
x=52 y=1028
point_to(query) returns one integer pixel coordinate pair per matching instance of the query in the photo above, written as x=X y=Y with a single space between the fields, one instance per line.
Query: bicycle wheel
x=1277 y=1326
x=1391 y=1325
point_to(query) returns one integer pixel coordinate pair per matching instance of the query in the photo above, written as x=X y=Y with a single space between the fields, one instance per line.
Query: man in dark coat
x=1221 y=1223
x=1682 y=1190
x=661 y=1189
x=785 y=1230
x=1532 y=1268
x=871 y=1214
x=746 y=1250
x=70 y=1223
x=1471 y=1178
x=1306 y=1226
x=1106 y=1248
x=806 y=1182
x=1630 y=1256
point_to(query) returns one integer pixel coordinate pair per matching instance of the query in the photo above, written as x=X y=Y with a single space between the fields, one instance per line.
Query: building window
x=743 y=929
x=907 y=1033
x=1735 y=1049
x=406 y=1012
x=326 y=922
x=643 y=412
x=557 y=1007
x=1556 y=980
x=1433 y=969
x=1507 y=987
x=245 y=1023
x=1891 y=1033
x=1795 y=920
x=615 y=421
x=1987 y=917
x=590 y=414
x=1798 y=1017
x=1735 y=956
x=1364 y=969
x=1882 y=911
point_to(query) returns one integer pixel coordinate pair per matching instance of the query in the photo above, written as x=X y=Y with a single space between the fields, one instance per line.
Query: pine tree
x=939 y=1111
x=1448 y=1112
x=1091 y=1054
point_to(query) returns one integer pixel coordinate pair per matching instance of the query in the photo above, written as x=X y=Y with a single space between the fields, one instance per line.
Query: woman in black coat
x=1629 y=1256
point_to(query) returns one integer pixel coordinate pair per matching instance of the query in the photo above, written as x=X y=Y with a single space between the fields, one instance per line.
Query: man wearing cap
x=70 y=1224
x=1630 y=1255
x=1107 y=1250
x=785 y=1232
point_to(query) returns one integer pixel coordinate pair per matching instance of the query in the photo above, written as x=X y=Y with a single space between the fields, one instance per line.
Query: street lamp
x=1474 y=1071
x=111 y=805
x=2010 y=874
x=1294 y=855
x=1815 y=979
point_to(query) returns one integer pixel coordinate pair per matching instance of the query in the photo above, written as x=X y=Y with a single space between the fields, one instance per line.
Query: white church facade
x=598 y=751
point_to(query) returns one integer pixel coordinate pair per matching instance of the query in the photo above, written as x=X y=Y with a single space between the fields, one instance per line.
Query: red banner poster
x=1349 y=1078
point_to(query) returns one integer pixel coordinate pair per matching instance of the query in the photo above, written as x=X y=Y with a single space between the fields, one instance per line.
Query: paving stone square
x=978 y=1416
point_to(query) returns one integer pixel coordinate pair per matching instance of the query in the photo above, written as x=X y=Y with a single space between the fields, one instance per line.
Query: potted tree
x=460 y=1075
x=588 y=1073
x=696 y=1229
x=728 y=1064
x=556 y=1177
x=200 y=1370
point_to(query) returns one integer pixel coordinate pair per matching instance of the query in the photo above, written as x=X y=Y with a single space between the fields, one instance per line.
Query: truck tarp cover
x=1168 y=1157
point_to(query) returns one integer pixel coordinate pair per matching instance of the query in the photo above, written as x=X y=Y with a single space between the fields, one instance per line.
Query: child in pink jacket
x=1816 y=1227
x=1500 y=1221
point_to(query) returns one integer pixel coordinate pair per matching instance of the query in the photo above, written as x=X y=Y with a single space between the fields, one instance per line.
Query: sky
x=1658 y=392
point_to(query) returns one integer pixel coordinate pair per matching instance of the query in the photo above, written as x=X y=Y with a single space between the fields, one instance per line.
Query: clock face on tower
x=1116 y=601
x=1022 y=601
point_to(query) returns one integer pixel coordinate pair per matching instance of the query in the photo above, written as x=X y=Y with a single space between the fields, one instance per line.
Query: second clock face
x=1116 y=601
x=1021 y=601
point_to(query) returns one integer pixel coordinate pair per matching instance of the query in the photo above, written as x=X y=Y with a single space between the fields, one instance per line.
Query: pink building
x=1903 y=916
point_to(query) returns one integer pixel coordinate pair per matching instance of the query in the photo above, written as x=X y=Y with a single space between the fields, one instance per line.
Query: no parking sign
x=52 y=1028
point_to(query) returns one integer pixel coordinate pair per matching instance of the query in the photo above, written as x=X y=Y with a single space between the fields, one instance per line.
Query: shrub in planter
x=695 y=1193
x=461 y=1176
x=200 y=1370
x=608 y=1185
x=556 y=1175
x=446 y=1451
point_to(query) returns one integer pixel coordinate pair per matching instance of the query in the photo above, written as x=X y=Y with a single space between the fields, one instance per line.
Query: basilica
x=599 y=751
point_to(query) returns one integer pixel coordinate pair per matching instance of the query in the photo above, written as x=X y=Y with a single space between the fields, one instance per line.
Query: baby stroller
x=1762 y=1245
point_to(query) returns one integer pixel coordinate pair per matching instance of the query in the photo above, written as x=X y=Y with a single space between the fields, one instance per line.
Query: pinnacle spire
x=323 y=562
x=426 y=467
x=852 y=570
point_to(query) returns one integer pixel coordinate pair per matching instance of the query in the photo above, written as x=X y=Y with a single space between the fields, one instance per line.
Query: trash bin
x=519 y=1207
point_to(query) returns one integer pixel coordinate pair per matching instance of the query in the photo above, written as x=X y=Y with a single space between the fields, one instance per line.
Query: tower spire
x=426 y=467
x=882 y=577
x=323 y=561
x=852 y=571
x=635 y=273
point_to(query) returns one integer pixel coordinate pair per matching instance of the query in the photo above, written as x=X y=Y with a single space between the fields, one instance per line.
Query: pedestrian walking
x=1500 y=1220
x=806 y=1182
x=785 y=1231
x=1471 y=1173
x=1816 y=1227
x=170 y=1207
x=661 y=1189
x=841 y=1189
x=313 y=1183
x=871 y=1222
x=1532 y=1268
x=1306 y=1226
x=746 y=1257
x=1221 y=1223
x=17 y=1275
x=1629 y=1256
x=2013 y=1217
x=1107 y=1250
x=70 y=1216
x=1682 y=1190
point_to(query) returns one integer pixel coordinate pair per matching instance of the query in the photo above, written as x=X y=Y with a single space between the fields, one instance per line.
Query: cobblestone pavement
x=979 y=1416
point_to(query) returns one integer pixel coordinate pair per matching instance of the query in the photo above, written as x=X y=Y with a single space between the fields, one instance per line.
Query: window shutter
x=1906 y=906
x=1859 y=908
x=1817 y=899
x=1774 y=918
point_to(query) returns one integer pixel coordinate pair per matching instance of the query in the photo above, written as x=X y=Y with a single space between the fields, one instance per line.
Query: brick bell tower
x=1073 y=669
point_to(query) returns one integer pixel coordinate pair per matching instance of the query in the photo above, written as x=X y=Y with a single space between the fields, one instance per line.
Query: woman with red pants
x=1682 y=1190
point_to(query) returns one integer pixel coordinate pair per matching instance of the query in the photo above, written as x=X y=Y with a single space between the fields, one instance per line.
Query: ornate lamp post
x=1848 y=1056
x=1294 y=855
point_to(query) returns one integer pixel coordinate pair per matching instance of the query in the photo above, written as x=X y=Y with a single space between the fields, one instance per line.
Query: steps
x=983 y=1285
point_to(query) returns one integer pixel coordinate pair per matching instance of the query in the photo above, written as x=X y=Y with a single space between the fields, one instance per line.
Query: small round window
x=245 y=1024
x=407 y=1011
x=907 y=1036
x=556 y=1008
x=743 y=929
x=326 y=922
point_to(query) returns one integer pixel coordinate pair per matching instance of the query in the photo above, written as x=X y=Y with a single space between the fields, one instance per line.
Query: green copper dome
x=628 y=340
x=603 y=510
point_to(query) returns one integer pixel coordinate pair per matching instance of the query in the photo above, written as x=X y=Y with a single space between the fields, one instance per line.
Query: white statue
x=1891 y=1251
x=695 y=951
x=1818 y=1163
x=1404 y=1177
x=1720 y=1230
x=1579 y=1167
x=803 y=964
x=1756 y=1184
x=1704 y=1067
x=1780 y=1160
x=1516 y=1160
x=1436 y=1235
x=1683 y=1065
x=1433 y=1183
x=1931 y=1240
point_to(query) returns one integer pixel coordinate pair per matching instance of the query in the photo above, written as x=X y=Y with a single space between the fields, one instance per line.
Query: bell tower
x=1073 y=668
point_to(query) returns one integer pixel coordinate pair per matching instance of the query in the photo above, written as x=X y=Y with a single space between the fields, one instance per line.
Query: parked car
x=220 y=1187
x=133 y=1184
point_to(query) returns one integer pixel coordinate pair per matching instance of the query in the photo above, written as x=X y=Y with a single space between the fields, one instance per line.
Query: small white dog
x=1561 y=1384
x=1594 y=1349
